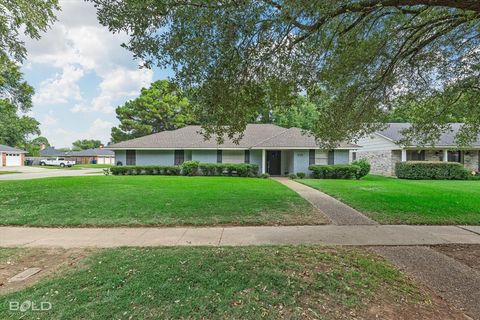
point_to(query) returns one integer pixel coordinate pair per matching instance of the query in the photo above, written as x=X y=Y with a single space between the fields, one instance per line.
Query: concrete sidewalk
x=385 y=235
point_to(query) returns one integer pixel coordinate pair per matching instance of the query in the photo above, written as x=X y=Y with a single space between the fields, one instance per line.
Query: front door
x=274 y=163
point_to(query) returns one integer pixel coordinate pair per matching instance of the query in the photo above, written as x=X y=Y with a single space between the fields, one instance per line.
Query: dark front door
x=274 y=163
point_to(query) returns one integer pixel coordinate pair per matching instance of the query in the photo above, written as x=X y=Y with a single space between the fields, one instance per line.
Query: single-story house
x=51 y=152
x=276 y=150
x=97 y=155
x=383 y=151
x=11 y=157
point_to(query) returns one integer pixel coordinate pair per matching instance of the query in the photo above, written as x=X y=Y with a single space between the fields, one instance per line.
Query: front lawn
x=397 y=201
x=151 y=200
x=295 y=282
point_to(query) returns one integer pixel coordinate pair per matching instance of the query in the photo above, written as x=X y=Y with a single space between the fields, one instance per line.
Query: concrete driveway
x=27 y=172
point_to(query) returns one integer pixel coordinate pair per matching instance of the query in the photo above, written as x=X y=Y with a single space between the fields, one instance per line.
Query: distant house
x=51 y=152
x=383 y=150
x=276 y=150
x=11 y=157
x=98 y=156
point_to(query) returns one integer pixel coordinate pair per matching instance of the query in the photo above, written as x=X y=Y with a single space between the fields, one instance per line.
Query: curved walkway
x=338 y=212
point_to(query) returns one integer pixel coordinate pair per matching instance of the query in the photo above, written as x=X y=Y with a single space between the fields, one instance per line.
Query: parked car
x=62 y=162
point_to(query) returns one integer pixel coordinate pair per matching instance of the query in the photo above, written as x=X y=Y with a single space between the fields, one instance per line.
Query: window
x=331 y=157
x=455 y=156
x=131 y=157
x=415 y=155
x=247 y=156
x=321 y=157
x=219 y=156
x=354 y=156
x=179 y=157
x=233 y=156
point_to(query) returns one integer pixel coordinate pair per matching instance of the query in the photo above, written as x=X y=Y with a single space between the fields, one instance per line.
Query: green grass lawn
x=295 y=282
x=151 y=200
x=391 y=200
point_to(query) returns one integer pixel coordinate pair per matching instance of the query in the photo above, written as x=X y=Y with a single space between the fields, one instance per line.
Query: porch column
x=264 y=160
x=445 y=155
x=404 y=155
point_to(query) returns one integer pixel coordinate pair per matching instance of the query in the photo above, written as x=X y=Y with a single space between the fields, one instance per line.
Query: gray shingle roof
x=254 y=136
x=92 y=153
x=393 y=132
x=4 y=148
x=51 y=152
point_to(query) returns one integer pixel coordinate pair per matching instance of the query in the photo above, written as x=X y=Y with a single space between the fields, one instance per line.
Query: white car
x=62 y=162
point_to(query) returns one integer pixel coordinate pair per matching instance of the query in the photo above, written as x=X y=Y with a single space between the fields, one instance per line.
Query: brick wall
x=4 y=159
x=382 y=162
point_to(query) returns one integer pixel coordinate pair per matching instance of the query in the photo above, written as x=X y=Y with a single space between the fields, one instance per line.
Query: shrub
x=301 y=175
x=208 y=169
x=364 y=167
x=190 y=168
x=431 y=170
x=292 y=176
x=146 y=170
x=338 y=171
x=264 y=175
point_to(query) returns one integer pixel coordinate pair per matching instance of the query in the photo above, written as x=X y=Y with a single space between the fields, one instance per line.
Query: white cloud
x=63 y=137
x=77 y=44
x=61 y=88
x=49 y=120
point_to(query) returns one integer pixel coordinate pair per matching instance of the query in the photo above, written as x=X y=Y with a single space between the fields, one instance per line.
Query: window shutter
x=247 y=156
x=311 y=156
x=219 y=156
x=331 y=157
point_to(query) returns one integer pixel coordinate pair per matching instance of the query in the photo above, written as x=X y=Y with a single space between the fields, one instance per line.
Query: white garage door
x=14 y=159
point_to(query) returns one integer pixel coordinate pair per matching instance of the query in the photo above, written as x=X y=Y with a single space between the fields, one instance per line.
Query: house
x=97 y=156
x=51 y=152
x=10 y=157
x=383 y=150
x=276 y=150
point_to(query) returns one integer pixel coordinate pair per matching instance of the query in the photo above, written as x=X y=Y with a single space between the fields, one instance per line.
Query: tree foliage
x=360 y=56
x=30 y=18
x=14 y=128
x=160 y=107
x=86 y=144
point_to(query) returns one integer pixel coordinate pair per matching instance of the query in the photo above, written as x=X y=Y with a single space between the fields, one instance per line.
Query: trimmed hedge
x=146 y=170
x=191 y=168
x=337 y=171
x=431 y=170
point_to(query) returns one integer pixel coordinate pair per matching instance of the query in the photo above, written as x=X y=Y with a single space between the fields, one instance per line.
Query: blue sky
x=80 y=74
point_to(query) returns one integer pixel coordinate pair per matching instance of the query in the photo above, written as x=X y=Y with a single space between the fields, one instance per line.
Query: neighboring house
x=276 y=150
x=11 y=157
x=98 y=156
x=51 y=152
x=383 y=151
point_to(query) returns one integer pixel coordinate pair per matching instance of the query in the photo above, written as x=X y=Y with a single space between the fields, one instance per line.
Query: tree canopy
x=86 y=144
x=14 y=128
x=356 y=58
x=160 y=107
x=30 y=18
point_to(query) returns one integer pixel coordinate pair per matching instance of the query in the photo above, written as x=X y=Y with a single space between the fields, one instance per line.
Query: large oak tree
x=356 y=58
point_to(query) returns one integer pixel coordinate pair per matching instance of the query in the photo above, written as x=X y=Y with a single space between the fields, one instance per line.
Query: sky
x=80 y=75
